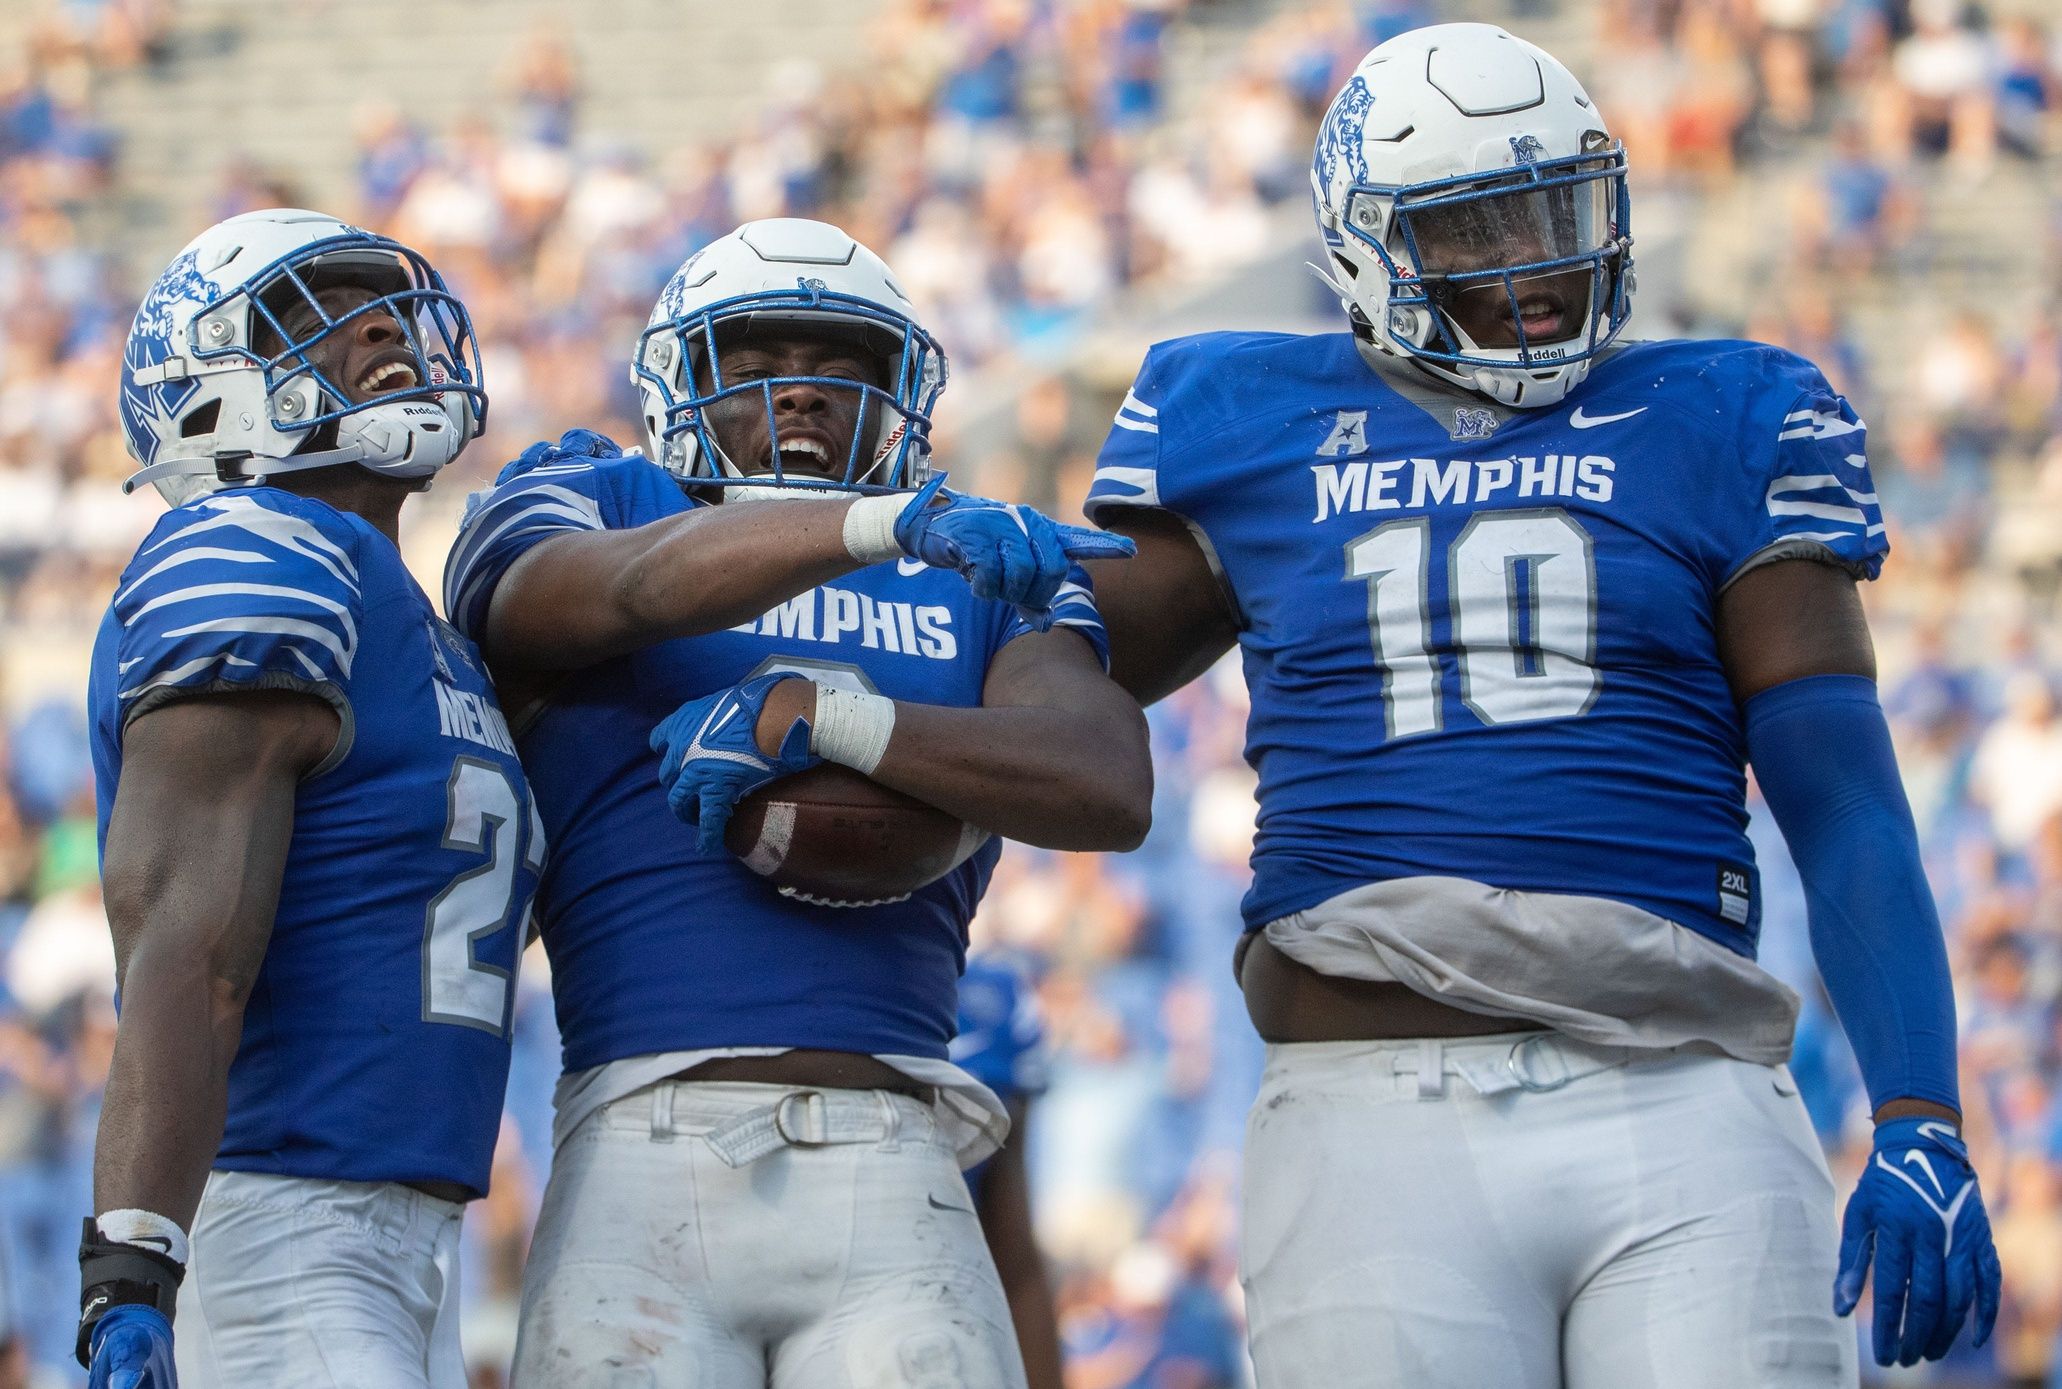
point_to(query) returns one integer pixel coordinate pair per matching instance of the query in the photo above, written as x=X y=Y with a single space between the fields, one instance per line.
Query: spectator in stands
x=2029 y=93
x=1940 y=99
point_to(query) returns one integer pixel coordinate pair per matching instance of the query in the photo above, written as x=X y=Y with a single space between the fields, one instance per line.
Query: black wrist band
x=115 y=1275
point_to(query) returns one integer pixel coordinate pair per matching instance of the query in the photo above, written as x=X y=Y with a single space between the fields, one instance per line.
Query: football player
x=759 y=1132
x=1518 y=603
x=317 y=842
x=1002 y=1045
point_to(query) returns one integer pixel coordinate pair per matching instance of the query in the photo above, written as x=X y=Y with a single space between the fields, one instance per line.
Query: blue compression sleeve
x=1822 y=754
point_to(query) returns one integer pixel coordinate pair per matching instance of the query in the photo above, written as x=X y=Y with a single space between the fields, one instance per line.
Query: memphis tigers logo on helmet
x=1339 y=142
x=147 y=411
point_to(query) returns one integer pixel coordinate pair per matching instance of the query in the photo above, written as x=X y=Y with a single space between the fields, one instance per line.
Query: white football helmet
x=1458 y=162
x=787 y=275
x=204 y=409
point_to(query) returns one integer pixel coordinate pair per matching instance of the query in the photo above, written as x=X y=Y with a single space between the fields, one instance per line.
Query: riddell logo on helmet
x=893 y=438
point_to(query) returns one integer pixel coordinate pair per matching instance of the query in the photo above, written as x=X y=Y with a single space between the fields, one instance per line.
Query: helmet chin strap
x=779 y=492
x=409 y=440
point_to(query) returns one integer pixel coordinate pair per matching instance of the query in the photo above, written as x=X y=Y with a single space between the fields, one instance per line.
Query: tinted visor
x=1521 y=260
x=1466 y=232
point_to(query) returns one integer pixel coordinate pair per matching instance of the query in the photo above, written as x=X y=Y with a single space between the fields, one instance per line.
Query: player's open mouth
x=1541 y=316
x=810 y=455
x=389 y=376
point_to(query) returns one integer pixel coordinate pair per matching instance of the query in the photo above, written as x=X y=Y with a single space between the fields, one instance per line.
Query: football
x=840 y=839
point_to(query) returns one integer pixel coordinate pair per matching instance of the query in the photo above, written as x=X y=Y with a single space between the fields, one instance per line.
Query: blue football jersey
x=656 y=947
x=1000 y=1041
x=376 y=1038
x=1481 y=643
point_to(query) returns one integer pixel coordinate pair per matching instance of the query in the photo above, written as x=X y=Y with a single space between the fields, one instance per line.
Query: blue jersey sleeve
x=1813 y=497
x=530 y=503
x=1127 y=471
x=1073 y=609
x=241 y=591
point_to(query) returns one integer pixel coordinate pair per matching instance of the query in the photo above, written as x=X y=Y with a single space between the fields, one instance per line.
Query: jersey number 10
x=1521 y=607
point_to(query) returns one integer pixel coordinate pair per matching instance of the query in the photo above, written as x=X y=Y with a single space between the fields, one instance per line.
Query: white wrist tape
x=870 y=529
x=851 y=728
x=147 y=1228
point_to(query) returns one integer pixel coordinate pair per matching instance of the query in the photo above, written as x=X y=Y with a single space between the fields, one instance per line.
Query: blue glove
x=1005 y=551
x=1918 y=1208
x=132 y=1349
x=709 y=756
x=574 y=443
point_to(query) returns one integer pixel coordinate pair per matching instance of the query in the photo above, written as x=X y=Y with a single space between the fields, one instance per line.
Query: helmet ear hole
x=201 y=420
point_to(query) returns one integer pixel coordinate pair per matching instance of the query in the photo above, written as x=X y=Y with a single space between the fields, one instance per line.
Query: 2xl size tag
x=1736 y=893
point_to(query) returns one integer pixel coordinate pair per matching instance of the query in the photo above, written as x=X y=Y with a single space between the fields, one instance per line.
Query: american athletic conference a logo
x=1348 y=437
x=147 y=411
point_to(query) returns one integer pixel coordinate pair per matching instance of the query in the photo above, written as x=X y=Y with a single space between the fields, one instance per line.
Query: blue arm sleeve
x=1821 y=751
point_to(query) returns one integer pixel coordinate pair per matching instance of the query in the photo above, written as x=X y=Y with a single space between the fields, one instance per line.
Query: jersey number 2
x=485 y=815
x=1521 y=600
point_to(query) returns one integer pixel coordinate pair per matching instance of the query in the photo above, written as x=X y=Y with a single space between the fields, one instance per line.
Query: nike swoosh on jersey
x=1582 y=421
x=938 y=1205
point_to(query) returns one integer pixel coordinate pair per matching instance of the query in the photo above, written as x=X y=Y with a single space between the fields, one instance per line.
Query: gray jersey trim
x=1787 y=548
x=327 y=691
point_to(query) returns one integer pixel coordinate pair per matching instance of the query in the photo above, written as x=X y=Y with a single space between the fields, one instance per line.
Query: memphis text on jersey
x=1414 y=483
x=878 y=624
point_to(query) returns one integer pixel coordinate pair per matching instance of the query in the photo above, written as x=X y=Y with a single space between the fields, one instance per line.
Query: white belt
x=799 y=1119
x=1535 y=1063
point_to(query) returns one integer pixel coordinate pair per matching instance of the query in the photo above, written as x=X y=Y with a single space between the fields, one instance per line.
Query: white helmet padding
x=786 y=277
x=203 y=407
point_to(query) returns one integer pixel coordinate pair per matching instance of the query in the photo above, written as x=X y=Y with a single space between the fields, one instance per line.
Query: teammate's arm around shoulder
x=1797 y=652
x=574 y=558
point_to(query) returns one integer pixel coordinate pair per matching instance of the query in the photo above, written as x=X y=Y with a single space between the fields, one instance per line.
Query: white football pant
x=319 y=1285
x=736 y=1236
x=1527 y=1212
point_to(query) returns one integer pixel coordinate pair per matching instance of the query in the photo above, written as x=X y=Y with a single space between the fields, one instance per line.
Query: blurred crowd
x=1024 y=164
